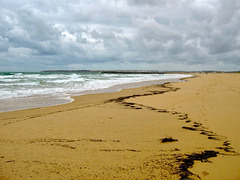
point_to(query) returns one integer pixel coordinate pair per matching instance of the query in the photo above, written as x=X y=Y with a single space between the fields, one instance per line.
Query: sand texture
x=173 y=131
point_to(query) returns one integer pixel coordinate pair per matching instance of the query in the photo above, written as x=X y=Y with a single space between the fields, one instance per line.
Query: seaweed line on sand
x=185 y=161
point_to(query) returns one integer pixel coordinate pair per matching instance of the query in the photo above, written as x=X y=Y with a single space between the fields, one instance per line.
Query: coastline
x=39 y=101
x=119 y=135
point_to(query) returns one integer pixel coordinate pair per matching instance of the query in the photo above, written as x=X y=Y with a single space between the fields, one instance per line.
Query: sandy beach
x=178 y=130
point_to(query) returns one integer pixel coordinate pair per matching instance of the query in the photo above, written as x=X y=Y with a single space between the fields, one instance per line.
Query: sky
x=165 y=35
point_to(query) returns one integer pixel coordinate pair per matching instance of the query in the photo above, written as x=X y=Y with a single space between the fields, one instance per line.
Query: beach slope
x=169 y=131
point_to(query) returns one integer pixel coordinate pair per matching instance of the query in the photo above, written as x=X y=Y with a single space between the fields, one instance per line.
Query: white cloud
x=154 y=34
x=20 y=52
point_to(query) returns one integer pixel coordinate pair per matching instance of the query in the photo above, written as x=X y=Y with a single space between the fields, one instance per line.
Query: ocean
x=24 y=90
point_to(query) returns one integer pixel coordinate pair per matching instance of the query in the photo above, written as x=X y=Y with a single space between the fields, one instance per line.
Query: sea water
x=23 y=90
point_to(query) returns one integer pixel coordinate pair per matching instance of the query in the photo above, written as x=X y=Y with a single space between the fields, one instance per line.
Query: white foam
x=27 y=85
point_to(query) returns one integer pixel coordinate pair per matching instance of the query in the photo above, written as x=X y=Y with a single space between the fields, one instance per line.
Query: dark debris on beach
x=188 y=161
x=168 y=139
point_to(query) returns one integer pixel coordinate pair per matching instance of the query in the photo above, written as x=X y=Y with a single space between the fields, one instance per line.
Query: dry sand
x=121 y=135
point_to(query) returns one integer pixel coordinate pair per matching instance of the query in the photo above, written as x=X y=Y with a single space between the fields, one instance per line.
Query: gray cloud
x=120 y=34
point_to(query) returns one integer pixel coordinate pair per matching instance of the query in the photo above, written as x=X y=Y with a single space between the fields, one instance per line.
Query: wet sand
x=169 y=131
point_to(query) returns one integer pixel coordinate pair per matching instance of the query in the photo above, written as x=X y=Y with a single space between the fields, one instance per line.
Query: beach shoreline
x=123 y=134
x=39 y=101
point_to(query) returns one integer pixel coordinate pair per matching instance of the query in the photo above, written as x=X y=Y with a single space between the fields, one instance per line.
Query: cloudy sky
x=38 y=35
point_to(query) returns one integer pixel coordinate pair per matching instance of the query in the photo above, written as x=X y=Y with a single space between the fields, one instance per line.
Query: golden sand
x=122 y=135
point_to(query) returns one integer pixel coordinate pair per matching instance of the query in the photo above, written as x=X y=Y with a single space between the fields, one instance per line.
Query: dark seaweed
x=168 y=139
x=189 y=161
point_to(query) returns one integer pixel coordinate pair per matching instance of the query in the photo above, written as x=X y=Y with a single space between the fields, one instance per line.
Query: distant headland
x=105 y=71
x=133 y=71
